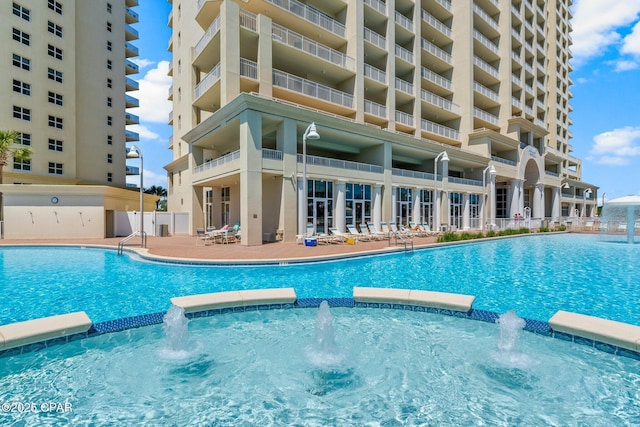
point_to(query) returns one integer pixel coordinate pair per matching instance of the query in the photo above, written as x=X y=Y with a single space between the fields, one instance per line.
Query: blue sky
x=606 y=93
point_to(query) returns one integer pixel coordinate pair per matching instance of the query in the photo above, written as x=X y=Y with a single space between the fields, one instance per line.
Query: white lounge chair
x=365 y=231
x=203 y=237
x=354 y=232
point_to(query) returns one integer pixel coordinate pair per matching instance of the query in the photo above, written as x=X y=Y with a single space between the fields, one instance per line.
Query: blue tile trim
x=598 y=345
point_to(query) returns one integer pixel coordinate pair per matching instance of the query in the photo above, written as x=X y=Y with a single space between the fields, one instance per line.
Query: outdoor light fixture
x=309 y=133
x=445 y=158
x=492 y=173
x=135 y=153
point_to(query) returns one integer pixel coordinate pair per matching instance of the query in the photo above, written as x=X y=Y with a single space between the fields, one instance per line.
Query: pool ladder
x=123 y=242
x=402 y=240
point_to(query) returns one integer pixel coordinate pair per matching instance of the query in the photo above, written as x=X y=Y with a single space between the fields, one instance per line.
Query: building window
x=109 y=120
x=109 y=26
x=54 y=75
x=54 y=29
x=55 y=168
x=109 y=139
x=21 y=62
x=55 y=144
x=21 y=87
x=24 y=165
x=22 y=113
x=109 y=7
x=21 y=12
x=109 y=158
x=109 y=83
x=24 y=139
x=56 y=122
x=21 y=37
x=109 y=177
x=55 y=6
x=109 y=46
x=109 y=64
x=109 y=101
x=55 y=98
x=54 y=52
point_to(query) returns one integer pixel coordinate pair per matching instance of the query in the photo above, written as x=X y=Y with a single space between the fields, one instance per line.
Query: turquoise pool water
x=533 y=275
x=261 y=368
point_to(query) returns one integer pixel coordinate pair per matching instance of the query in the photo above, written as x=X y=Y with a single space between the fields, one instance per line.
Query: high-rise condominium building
x=448 y=113
x=65 y=72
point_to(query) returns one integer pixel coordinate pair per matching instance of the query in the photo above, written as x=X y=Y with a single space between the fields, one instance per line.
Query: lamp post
x=584 y=201
x=135 y=153
x=492 y=173
x=309 y=133
x=445 y=158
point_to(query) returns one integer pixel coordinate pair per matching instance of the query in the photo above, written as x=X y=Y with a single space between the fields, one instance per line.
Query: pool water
x=254 y=368
x=534 y=275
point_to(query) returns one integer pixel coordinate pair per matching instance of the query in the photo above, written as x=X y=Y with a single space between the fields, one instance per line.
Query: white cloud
x=150 y=178
x=141 y=62
x=631 y=42
x=616 y=147
x=625 y=65
x=596 y=24
x=143 y=131
x=154 y=87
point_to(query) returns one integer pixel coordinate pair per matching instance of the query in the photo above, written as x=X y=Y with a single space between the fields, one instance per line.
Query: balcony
x=436 y=51
x=131 y=119
x=435 y=78
x=375 y=38
x=170 y=119
x=208 y=81
x=341 y=164
x=440 y=130
x=130 y=67
x=130 y=33
x=131 y=136
x=205 y=39
x=131 y=102
x=440 y=102
x=484 y=41
x=130 y=16
x=484 y=116
x=404 y=86
x=486 y=92
x=375 y=74
x=248 y=68
x=311 y=15
x=403 y=118
x=170 y=93
x=375 y=109
x=131 y=3
x=484 y=66
x=485 y=17
x=435 y=23
x=311 y=89
x=130 y=50
x=404 y=54
x=227 y=158
x=131 y=85
x=413 y=174
x=132 y=170
x=377 y=5
x=404 y=22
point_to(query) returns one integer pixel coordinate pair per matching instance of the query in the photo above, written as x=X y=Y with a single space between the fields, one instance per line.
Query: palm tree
x=161 y=204
x=7 y=139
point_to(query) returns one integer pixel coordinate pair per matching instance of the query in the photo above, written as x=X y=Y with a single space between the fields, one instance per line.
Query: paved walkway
x=184 y=247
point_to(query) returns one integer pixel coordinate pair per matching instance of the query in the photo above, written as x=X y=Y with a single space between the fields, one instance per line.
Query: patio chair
x=339 y=236
x=354 y=232
x=203 y=237
x=364 y=230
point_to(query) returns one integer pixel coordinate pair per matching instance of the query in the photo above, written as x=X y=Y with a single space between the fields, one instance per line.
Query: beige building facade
x=66 y=72
x=451 y=114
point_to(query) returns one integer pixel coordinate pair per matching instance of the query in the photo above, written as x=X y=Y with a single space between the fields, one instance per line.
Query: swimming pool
x=534 y=275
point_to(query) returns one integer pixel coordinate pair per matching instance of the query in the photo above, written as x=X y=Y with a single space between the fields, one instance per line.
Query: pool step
x=455 y=302
x=203 y=302
x=43 y=329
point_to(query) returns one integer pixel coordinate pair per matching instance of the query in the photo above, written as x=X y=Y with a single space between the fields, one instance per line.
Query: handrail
x=122 y=242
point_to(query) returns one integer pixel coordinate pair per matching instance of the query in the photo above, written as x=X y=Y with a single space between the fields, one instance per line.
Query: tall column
x=517 y=201
x=302 y=209
x=492 y=202
x=555 y=204
x=394 y=205
x=538 y=201
x=465 y=211
x=286 y=142
x=340 y=211
x=377 y=206
x=251 y=177
x=417 y=214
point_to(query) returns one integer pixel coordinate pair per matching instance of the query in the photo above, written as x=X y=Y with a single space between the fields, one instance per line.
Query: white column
x=555 y=203
x=340 y=212
x=517 y=203
x=394 y=207
x=465 y=211
x=417 y=215
x=538 y=201
x=376 y=215
x=302 y=209
x=437 y=210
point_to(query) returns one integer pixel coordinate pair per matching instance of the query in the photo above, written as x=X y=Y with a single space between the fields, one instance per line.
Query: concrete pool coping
x=606 y=335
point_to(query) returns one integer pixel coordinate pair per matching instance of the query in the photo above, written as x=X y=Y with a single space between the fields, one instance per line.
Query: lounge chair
x=203 y=237
x=354 y=232
x=378 y=232
x=364 y=230
x=339 y=236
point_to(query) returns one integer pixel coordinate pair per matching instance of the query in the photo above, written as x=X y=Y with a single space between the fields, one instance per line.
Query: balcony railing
x=311 y=88
x=412 y=174
x=131 y=101
x=404 y=54
x=248 y=68
x=267 y=153
x=130 y=67
x=227 y=158
x=209 y=80
x=375 y=38
x=483 y=65
x=485 y=16
x=375 y=109
x=375 y=73
x=404 y=118
x=312 y=15
x=312 y=47
x=341 y=164
x=434 y=22
x=206 y=38
x=427 y=74
x=485 y=41
x=465 y=181
x=404 y=22
x=483 y=115
x=131 y=119
x=439 y=101
x=404 y=86
x=445 y=3
x=485 y=91
x=438 y=129
x=377 y=5
x=131 y=135
x=436 y=51
x=132 y=31
x=132 y=83
x=248 y=20
x=503 y=161
x=131 y=47
x=133 y=15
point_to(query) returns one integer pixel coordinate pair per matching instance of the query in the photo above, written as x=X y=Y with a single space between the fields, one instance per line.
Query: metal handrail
x=122 y=242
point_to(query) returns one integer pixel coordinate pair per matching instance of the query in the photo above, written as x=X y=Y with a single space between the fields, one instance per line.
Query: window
x=109 y=83
x=109 y=177
x=109 y=26
x=55 y=6
x=21 y=37
x=21 y=87
x=21 y=12
x=54 y=51
x=24 y=165
x=109 y=101
x=56 y=122
x=54 y=75
x=55 y=144
x=109 y=64
x=22 y=113
x=109 y=7
x=109 y=46
x=21 y=62
x=109 y=120
x=55 y=98
x=54 y=29
x=109 y=158
x=55 y=168
x=109 y=139
x=24 y=139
